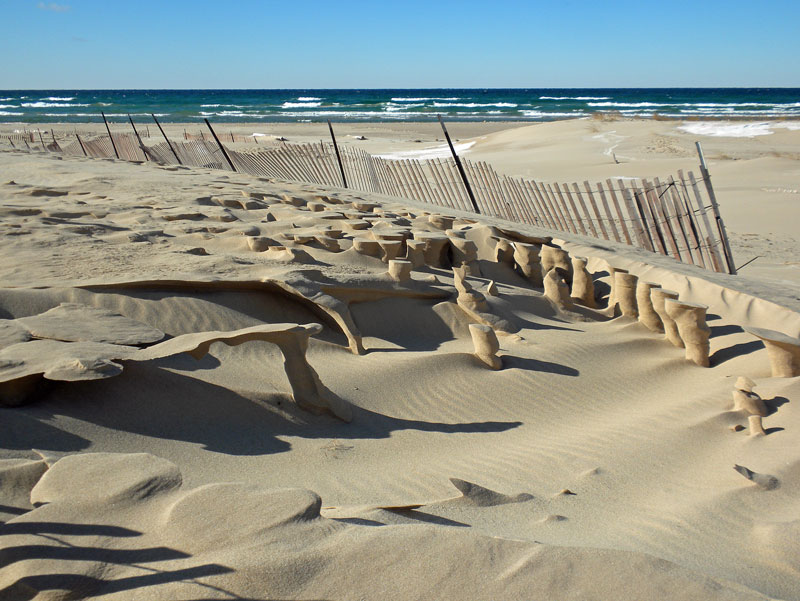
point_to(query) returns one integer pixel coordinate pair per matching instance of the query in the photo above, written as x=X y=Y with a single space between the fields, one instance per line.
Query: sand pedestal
x=390 y=249
x=486 y=345
x=625 y=294
x=659 y=296
x=400 y=269
x=415 y=252
x=644 y=303
x=436 y=246
x=527 y=258
x=367 y=246
x=783 y=350
x=465 y=252
x=552 y=257
x=441 y=222
x=690 y=319
x=582 y=284
x=503 y=252
x=556 y=290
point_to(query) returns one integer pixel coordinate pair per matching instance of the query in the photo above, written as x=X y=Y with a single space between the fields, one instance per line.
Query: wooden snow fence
x=676 y=216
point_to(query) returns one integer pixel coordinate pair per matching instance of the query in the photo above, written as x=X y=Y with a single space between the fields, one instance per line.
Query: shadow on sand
x=151 y=401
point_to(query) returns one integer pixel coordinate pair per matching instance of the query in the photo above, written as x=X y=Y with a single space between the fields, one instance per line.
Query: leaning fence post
x=338 y=156
x=723 y=235
x=113 y=145
x=167 y=139
x=83 y=148
x=141 y=145
x=460 y=167
x=216 y=139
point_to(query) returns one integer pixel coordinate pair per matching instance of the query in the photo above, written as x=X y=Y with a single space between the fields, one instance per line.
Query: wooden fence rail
x=669 y=217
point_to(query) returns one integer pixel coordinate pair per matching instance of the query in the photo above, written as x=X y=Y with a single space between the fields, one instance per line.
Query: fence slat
x=636 y=217
x=688 y=223
x=567 y=224
x=423 y=180
x=592 y=229
x=600 y=223
x=661 y=221
x=716 y=259
x=540 y=217
x=502 y=202
x=612 y=221
x=535 y=216
x=515 y=203
x=458 y=185
x=446 y=195
x=649 y=220
x=577 y=222
x=486 y=193
x=674 y=217
x=555 y=219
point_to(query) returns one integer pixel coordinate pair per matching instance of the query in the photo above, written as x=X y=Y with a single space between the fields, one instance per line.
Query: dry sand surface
x=218 y=386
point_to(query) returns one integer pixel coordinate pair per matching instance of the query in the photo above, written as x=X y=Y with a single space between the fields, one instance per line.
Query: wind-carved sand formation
x=68 y=351
x=146 y=348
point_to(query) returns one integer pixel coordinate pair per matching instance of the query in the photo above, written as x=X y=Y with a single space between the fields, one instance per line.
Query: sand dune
x=597 y=462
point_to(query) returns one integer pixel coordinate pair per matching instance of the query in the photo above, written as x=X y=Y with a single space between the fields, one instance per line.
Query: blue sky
x=380 y=44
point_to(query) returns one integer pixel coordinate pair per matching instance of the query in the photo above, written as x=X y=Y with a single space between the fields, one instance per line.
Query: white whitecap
x=474 y=104
x=403 y=99
x=44 y=105
x=295 y=105
x=630 y=104
x=574 y=97
x=546 y=114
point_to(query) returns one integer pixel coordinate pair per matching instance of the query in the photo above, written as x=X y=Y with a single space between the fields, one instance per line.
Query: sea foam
x=46 y=105
x=437 y=152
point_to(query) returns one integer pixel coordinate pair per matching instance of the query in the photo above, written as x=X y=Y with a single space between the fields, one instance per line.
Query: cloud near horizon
x=53 y=7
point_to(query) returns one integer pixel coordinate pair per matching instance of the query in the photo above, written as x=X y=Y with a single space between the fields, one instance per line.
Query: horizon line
x=743 y=87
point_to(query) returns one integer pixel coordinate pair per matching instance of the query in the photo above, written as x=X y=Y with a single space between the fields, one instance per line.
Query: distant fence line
x=676 y=217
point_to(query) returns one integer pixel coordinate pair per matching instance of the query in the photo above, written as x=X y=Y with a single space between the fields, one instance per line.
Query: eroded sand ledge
x=584 y=456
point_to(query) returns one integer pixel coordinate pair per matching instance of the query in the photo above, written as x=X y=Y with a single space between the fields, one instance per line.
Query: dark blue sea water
x=37 y=106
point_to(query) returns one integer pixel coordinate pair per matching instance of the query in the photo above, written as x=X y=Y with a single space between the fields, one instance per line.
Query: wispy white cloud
x=53 y=7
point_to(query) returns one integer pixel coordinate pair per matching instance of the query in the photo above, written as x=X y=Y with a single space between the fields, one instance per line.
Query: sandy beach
x=220 y=386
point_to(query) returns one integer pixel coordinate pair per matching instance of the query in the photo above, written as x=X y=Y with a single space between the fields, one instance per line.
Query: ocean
x=531 y=104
